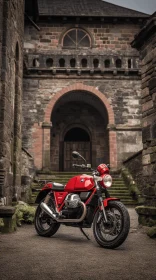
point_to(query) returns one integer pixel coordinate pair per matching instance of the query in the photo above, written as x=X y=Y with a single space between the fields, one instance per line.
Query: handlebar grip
x=76 y=165
x=79 y=165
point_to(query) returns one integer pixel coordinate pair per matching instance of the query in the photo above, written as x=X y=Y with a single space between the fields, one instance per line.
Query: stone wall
x=111 y=38
x=27 y=174
x=44 y=81
x=11 y=74
x=145 y=42
x=38 y=93
x=134 y=166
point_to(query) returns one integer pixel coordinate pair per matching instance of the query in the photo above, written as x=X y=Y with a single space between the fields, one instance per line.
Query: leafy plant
x=24 y=213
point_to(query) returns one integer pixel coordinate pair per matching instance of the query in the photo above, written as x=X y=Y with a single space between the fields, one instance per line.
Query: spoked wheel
x=44 y=224
x=112 y=234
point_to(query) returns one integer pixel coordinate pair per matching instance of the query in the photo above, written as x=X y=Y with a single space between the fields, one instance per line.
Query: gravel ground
x=69 y=255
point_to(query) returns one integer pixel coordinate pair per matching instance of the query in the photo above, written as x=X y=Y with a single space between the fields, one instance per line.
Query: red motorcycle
x=80 y=203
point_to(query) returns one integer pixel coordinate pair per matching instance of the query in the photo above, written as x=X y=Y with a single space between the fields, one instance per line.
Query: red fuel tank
x=81 y=183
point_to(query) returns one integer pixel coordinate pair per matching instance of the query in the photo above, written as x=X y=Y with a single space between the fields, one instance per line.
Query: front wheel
x=112 y=234
x=44 y=224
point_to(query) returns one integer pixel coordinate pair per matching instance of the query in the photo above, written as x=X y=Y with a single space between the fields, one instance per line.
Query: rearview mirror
x=75 y=154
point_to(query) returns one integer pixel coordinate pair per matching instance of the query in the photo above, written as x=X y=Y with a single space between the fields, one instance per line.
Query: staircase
x=118 y=189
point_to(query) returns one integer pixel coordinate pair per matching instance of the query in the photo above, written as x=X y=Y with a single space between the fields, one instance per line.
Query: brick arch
x=79 y=86
x=47 y=121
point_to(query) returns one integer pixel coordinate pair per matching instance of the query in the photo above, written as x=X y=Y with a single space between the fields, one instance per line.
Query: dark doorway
x=76 y=139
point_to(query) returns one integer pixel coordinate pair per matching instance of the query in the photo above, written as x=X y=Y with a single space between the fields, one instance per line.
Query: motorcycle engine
x=72 y=201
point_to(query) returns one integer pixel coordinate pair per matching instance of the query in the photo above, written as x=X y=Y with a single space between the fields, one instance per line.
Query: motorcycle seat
x=58 y=187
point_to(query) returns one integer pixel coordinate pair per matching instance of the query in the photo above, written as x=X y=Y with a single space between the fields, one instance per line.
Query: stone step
x=118 y=188
x=53 y=176
x=69 y=175
x=66 y=178
x=126 y=201
x=115 y=185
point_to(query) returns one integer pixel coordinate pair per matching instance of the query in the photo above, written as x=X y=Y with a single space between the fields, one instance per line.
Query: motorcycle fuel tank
x=80 y=183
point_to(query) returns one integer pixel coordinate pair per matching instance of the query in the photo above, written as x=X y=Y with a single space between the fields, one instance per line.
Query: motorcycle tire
x=112 y=234
x=44 y=224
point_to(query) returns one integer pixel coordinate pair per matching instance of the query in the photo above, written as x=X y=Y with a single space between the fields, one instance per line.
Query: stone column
x=46 y=145
x=112 y=147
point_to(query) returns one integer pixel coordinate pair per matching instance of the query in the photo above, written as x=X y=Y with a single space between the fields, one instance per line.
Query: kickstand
x=84 y=233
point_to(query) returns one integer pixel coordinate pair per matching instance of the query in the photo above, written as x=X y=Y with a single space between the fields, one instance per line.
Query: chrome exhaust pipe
x=46 y=209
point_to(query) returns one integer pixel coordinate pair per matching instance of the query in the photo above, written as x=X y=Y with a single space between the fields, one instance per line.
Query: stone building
x=81 y=84
x=145 y=42
x=11 y=77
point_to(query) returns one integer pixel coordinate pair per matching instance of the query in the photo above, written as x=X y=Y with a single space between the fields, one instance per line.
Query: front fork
x=103 y=209
x=99 y=193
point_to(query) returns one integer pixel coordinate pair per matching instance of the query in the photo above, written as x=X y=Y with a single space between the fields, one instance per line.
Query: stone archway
x=79 y=109
x=95 y=94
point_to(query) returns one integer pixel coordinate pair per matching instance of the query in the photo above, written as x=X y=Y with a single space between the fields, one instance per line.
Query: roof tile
x=95 y=8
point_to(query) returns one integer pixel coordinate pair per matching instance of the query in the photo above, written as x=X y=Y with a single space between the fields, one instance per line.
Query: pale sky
x=145 y=6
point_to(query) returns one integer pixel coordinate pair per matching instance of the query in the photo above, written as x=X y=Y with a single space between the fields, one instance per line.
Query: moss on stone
x=132 y=186
x=146 y=210
x=152 y=232
x=24 y=213
x=147 y=215
x=9 y=225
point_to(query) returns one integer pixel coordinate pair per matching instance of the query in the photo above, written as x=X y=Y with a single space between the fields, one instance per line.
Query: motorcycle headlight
x=107 y=180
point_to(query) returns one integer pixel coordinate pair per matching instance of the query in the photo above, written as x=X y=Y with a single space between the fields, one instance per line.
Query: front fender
x=106 y=200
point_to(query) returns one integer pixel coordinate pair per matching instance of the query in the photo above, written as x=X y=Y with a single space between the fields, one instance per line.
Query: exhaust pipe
x=46 y=209
x=49 y=212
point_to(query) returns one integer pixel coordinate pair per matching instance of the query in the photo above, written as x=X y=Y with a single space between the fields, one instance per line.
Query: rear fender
x=107 y=200
x=42 y=194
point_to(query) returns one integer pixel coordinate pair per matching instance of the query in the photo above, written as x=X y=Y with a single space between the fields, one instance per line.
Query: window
x=84 y=62
x=49 y=62
x=72 y=62
x=129 y=63
x=118 y=63
x=36 y=62
x=76 y=38
x=107 y=63
x=96 y=63
x=62 y=62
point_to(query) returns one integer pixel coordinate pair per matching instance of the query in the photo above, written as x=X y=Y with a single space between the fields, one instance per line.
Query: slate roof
x=94 y=8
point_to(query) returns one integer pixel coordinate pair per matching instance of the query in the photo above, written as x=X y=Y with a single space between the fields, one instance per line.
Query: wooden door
x=83 y=148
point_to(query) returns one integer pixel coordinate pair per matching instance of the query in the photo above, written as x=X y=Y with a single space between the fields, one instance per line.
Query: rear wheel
x=112 y=234
x=44 y=224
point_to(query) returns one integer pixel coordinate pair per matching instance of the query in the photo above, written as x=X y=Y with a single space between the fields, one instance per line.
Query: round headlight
x=107 y=180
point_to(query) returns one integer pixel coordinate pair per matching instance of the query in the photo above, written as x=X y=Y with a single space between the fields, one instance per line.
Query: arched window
x=62 y=62
x=76 y=39
x=107 y=63
x=96 y=63
x=84 y=62
x=118 y=63
x=72 y=62
x=49 y=62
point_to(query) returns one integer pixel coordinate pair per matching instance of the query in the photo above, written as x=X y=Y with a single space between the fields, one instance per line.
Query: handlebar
x=80 y=165
x=83 y=166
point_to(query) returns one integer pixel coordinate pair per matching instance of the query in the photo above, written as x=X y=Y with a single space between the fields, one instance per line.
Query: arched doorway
x=76 y=139
x=79 y=122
